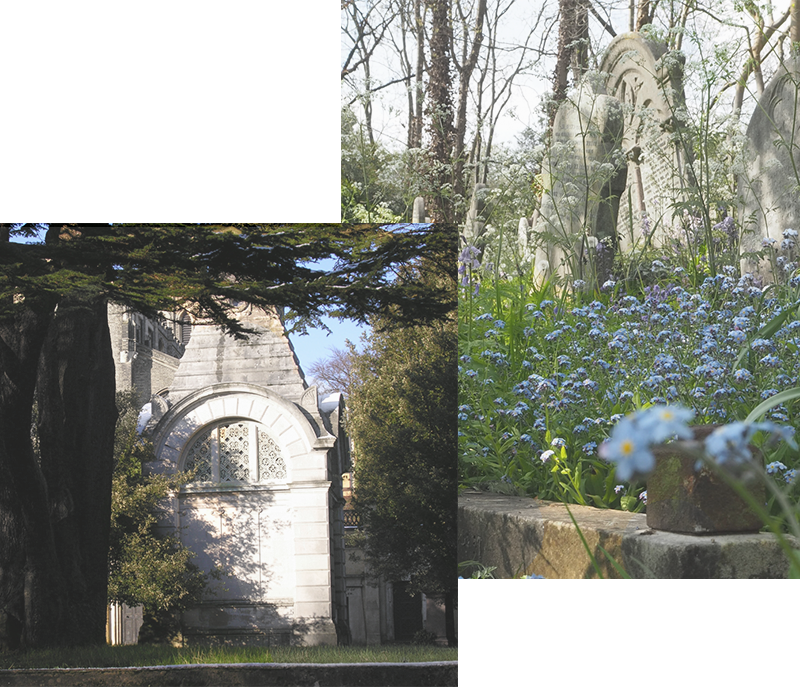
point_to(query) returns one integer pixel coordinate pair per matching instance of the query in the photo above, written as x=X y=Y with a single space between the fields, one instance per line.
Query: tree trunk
x=465 y=76
x=55 y=507
x=415 y=130
x=440 y=109
x=27 y=549
x=794 y=33
x=573 y=25
x=643 y=16
x=77 y=418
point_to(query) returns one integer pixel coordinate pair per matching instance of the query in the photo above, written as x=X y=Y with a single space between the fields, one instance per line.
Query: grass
x=152 y=655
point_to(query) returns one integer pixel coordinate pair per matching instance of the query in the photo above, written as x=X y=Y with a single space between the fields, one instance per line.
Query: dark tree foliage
x=402 y=417
x=55 y=348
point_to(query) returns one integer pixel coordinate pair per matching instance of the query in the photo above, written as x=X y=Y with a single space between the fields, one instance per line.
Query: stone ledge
x=442 y=673
x=521 y=536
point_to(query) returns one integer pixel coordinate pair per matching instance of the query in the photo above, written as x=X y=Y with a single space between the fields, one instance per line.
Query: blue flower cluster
x=544 y=372
x=631 y=439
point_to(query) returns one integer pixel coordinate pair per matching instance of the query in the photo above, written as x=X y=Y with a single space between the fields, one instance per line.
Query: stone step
x=442 y=673
x=524 y=536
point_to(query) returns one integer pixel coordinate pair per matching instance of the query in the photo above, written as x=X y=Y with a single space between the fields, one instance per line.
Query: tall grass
x=150 y=655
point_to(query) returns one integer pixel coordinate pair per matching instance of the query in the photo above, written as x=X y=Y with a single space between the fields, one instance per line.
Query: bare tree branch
x=753 y=63
x=364 y=30
x=382 y=86
x=603 y=22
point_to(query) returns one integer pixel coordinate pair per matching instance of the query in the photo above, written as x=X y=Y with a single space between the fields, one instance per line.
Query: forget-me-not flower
x=628 y=446
x=547 y=455
x=663 y=422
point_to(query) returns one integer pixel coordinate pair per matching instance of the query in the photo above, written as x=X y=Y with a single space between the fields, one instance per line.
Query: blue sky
x=316 y=345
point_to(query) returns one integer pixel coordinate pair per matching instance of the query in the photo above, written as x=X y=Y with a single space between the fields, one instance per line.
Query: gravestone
x=418 y=211
x=523 y=229
x=614 y=169
x=768 y=183
x=647 y=79
x=581 y=171
x=477 y=215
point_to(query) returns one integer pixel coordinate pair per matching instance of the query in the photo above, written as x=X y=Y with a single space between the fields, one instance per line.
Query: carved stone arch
x=273 y=536
x=634 y=63
x=303 y=450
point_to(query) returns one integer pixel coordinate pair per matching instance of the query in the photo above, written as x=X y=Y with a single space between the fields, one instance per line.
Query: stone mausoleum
x=272 y=473
x=267 y=458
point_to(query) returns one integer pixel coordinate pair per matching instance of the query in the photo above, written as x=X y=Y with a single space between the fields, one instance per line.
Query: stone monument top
x=266 y=358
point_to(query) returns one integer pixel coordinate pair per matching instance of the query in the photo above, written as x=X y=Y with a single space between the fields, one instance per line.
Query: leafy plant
x=477 y=570
x=545 y=375
x=147 y=567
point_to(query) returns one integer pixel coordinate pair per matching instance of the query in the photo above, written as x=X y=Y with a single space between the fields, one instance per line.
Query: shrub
x=147 y=567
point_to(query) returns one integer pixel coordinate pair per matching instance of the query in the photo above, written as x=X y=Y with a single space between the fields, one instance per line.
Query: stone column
x=313 y=602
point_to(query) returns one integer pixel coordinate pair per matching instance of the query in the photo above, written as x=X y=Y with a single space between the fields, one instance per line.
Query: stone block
x=261 y=412
x=312 y=611
x=310 y=498
x=308 y=562
x=309 y=578
x=683 y=499
x=314 y=594
x=312 y=546
x=308 y=461
x=521 y=536
x=295 y=446
x=314 y=475
x=310 y=530
x=280 y=426
x=310 y=515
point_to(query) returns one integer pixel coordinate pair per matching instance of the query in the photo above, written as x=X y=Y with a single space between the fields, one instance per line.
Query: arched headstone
x=648 y=81
x=580 y=176
x=614 y=171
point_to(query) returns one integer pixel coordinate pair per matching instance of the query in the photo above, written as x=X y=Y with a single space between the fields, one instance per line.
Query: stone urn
x=682 y=499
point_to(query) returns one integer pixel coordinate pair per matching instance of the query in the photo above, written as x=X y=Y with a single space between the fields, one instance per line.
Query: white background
x=169 y=111
x=612 y=633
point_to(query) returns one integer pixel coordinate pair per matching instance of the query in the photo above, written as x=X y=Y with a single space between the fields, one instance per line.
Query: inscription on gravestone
x=612 y=161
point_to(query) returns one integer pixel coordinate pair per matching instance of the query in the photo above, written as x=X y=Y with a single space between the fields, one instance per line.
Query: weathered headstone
x=523 y=228
x=477 y=215
x=418 y=210
x=580 y=173
x=648 y=81
x=614 y=170
x=770 y=179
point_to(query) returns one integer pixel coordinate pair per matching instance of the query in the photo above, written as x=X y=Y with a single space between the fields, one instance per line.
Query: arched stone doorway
x=262 y=505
